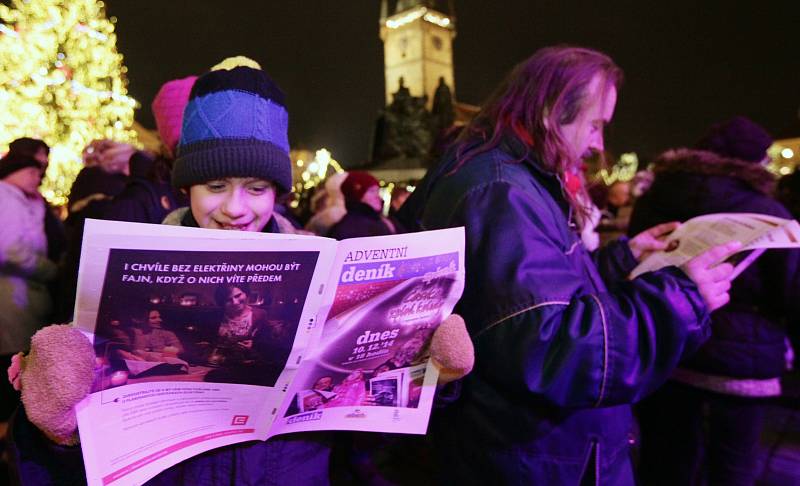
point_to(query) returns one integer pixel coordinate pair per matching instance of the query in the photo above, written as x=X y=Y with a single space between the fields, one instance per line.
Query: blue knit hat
x=235 y=125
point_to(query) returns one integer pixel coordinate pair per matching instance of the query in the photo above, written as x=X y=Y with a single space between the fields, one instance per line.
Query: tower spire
x=384 y=11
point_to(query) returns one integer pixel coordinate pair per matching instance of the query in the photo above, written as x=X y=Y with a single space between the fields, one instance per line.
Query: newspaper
x=756 y=232
x=206 y=338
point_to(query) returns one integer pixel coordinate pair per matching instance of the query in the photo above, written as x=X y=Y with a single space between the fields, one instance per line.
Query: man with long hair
x=564 y=343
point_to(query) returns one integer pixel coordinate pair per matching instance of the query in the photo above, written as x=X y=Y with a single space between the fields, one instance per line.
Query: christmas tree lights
x=63 y=81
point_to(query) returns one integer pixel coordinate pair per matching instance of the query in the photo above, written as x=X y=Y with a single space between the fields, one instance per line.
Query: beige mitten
x=451 y=349
x=53 y=378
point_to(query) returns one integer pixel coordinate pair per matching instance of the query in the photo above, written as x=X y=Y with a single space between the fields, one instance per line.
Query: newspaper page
x=371 y=371
x=756 y=232
x=198 y=333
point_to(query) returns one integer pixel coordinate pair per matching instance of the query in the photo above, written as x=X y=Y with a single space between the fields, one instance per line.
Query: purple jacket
x=563 y=342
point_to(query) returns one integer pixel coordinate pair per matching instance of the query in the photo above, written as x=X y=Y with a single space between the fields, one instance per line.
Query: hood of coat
x=703 y=163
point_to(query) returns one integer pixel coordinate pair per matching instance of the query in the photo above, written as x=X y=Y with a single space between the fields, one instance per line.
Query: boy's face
x=233 y=203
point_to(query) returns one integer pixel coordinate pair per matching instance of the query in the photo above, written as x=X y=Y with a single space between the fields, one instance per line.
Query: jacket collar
x=184 y=217
x=520 y=152
x=362 y=209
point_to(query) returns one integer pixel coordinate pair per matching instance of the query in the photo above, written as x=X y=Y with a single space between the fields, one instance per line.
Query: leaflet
x=756 y=232
x=205 y=340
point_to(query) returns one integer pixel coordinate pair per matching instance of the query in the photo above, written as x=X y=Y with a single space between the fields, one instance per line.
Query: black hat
x=738 y=138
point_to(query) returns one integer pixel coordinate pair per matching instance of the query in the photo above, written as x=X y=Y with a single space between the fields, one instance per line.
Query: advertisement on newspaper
x=372 y=370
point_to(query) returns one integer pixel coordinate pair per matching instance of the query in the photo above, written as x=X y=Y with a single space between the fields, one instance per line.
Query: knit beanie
x=168 y=106
x=235 y=125
x=738 y=138
x=356 y=184
x=13 y=162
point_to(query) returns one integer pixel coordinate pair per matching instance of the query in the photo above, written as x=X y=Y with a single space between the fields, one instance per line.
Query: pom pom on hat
x=236 y=61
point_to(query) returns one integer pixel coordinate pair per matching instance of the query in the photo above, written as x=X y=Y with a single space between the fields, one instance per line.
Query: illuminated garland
x=623 y=170
x=61 y=80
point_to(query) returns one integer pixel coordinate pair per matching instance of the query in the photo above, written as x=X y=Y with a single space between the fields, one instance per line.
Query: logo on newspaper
x=240 y=419
x=357 y=413
x=305 y=417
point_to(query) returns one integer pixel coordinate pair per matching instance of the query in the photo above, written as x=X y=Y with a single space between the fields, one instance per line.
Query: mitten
x=451 y=350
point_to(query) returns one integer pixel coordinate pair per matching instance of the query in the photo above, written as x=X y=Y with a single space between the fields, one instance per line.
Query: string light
x=62 y=80
x=623 y=170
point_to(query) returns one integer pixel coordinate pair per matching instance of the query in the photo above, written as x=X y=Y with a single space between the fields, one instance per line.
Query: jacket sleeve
x=614 y=261
x=543 y=331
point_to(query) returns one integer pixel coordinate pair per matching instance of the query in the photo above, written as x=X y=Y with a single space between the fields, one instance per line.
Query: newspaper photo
x=756 y=232
x=204 y=338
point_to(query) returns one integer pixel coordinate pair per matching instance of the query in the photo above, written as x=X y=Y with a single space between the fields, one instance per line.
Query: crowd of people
x=567 y=349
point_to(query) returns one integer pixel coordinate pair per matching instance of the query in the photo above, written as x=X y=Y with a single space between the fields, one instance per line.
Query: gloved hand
x=451 y=349
x=53 y=378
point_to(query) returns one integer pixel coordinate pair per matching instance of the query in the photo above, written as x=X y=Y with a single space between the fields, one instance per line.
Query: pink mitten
x=53 y=378
x=451 y=349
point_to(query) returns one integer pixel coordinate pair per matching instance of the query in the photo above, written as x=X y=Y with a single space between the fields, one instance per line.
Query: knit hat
x=168 y=106
x=738 y=138
x=13 y=162
x=235 y=125
x=356 y=184
x=28 y=146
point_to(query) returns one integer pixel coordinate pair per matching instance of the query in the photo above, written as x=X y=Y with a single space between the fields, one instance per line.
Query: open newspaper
x=205 y=338
x=756 y=232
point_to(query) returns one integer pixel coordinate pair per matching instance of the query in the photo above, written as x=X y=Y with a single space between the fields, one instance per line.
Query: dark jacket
x=563 y=343
x=282 y=460
x=362 y=220
x=148 y=195
x=748 y=338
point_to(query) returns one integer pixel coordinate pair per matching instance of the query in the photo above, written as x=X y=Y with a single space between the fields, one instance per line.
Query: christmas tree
x=63 y=81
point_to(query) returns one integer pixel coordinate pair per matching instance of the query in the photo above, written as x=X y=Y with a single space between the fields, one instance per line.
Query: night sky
x=688 y=63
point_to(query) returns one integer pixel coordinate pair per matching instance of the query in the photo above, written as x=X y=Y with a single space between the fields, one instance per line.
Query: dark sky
x=687 y=63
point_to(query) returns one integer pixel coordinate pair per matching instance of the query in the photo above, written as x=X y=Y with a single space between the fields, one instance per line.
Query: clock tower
x=417 y=47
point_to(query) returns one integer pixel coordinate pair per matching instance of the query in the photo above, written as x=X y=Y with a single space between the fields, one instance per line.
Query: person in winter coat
x=740 y=365
x=105 y=173
x=233 y=173
x=364 y=209
x=25 y=270
x=53 y=227
x=564 y=343
x=327 y=205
